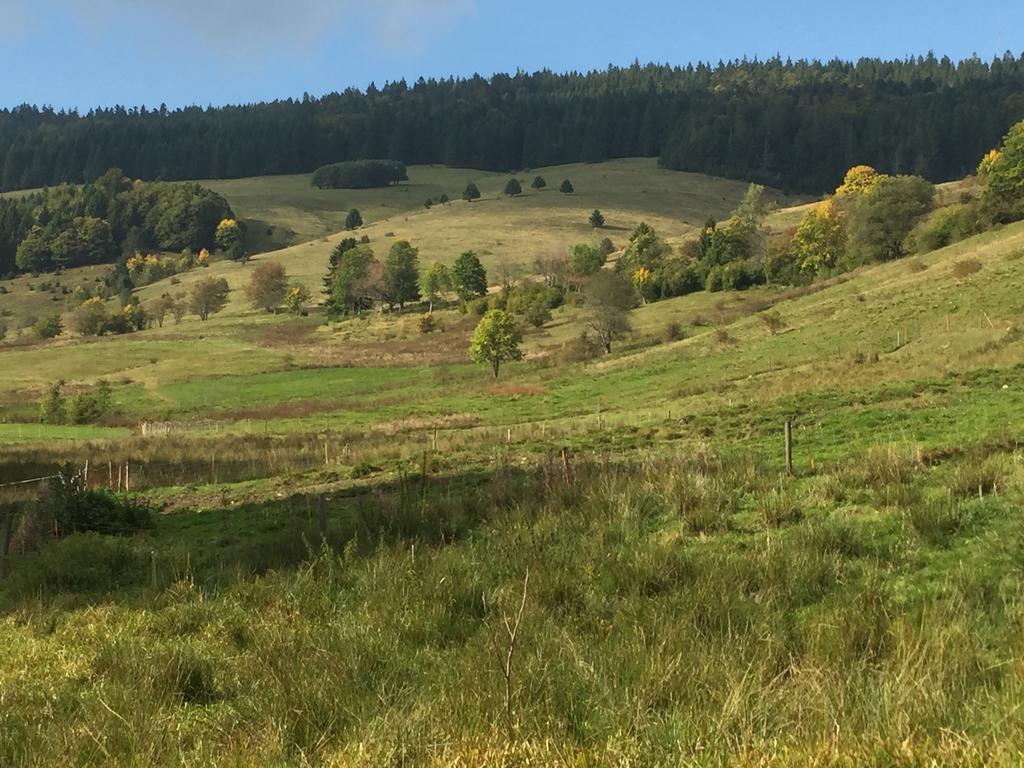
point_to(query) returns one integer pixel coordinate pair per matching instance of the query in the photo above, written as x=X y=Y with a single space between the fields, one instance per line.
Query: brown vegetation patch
x=965 y=268
x=513 y=390
x=422 y=423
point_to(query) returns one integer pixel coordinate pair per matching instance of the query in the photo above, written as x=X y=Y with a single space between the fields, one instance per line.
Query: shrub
x=426 y=324
x=673 y=331
x=76 y=509
x=49 y=327
x=965 y=268
x=773 y=322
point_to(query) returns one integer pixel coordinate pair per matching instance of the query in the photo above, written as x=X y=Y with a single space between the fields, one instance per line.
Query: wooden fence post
x=127 y=485
x=85 y=475
x=565 y=465
x=789 y=447
x=5 y=546
x=433 y=440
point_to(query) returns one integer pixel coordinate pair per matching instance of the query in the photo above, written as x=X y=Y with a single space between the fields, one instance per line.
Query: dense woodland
x=73 y=226
x=796 y=125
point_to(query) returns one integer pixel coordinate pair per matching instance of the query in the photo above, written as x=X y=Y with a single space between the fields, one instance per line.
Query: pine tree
x=513 y=188
x=566 y=188
x=402 y=274
x=596 y=219
x=471 y=192
x=538 y=183
x=354 y=219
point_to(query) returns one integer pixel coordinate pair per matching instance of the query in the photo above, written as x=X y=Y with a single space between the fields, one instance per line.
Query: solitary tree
x=596 y=219
x=209 y=296
x=443 y=199
x=354 y=219
x=566 y=188
x=436 y=281
x=267 y=286
x=161 y=307
x=296 y=298
x=471 y=192
x=538 y=183
x=469 y=278
x=513 y=188
x=230 y=239
x=610 y=296
x=495 y=340
x=402 y=274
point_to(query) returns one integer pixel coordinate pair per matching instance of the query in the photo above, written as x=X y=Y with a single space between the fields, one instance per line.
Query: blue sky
x=83 y=53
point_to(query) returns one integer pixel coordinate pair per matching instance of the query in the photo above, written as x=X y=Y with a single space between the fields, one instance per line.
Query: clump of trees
x=359 y=174
x=92 y=318
x=72 y=226
x=82 y=408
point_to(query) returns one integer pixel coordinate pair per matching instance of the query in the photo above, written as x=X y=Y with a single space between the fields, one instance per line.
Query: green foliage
x=513 y=188
x=469 y=278
x=538 y=183
x=353 y=220
x=76 y=226
x=645 y=250
x=208 y=297
x=533 y=302
x=585 y=260
x=359 y=174
x=566 y=187
x=610 y=296
x=884 y=215
x=1003 y=193
x=231 y=239
x=90 y=407
x=471 y=192
x=596 y=219
x=402 y=273
x=296 y=299
x=435 y=283
x=76 y=509
x=496 y=340
x=53 y=408
x=351 y=277
x=943 y=227
x=49 y=327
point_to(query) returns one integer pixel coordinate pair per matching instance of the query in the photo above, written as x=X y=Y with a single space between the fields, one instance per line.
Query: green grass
x=687 y=602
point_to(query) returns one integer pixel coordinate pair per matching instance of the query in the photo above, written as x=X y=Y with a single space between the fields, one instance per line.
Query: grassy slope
x=686 y=603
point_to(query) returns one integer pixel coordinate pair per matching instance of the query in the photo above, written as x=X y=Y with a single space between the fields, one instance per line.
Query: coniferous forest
x=797 y=125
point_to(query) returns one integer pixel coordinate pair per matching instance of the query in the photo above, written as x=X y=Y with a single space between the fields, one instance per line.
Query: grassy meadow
x=676 y=598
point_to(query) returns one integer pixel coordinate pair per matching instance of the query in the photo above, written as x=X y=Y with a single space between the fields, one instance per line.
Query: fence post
x=433 y=440
x=789 y=447
x=85 y=475
x=127 y=486
x=565 y=465
x=6 y=545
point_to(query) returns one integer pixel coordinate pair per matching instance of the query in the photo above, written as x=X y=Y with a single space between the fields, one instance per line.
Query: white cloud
x=251 y=28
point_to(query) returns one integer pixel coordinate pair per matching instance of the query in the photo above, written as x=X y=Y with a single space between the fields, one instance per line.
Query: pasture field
x=680 y=599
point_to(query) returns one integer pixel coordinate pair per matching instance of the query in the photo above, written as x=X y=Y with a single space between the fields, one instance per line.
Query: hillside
x=678 y=595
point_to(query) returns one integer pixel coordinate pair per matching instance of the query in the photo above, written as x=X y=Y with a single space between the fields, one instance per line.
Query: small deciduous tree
x=267 y=286
x=597 y=219
x=90 y=319
x=208 y=297
x=471 y=193
x=402 y=273
x=161 y=307
x=585 y=260
x=1003 y=194
x=495 y=340
x=296 y=299
x=820 y=240
x=230 y=239
x=469 y=278
x=610 y=297
x=566 y=188
x=513 y=188
x=354 y=219
x=435 y=283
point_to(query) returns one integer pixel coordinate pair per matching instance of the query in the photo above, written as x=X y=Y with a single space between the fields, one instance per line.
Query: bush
x=944 y=227
x=76 y=509
x=673 y=331
x=49 y=327
x=965 y=268
x=426 y=324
